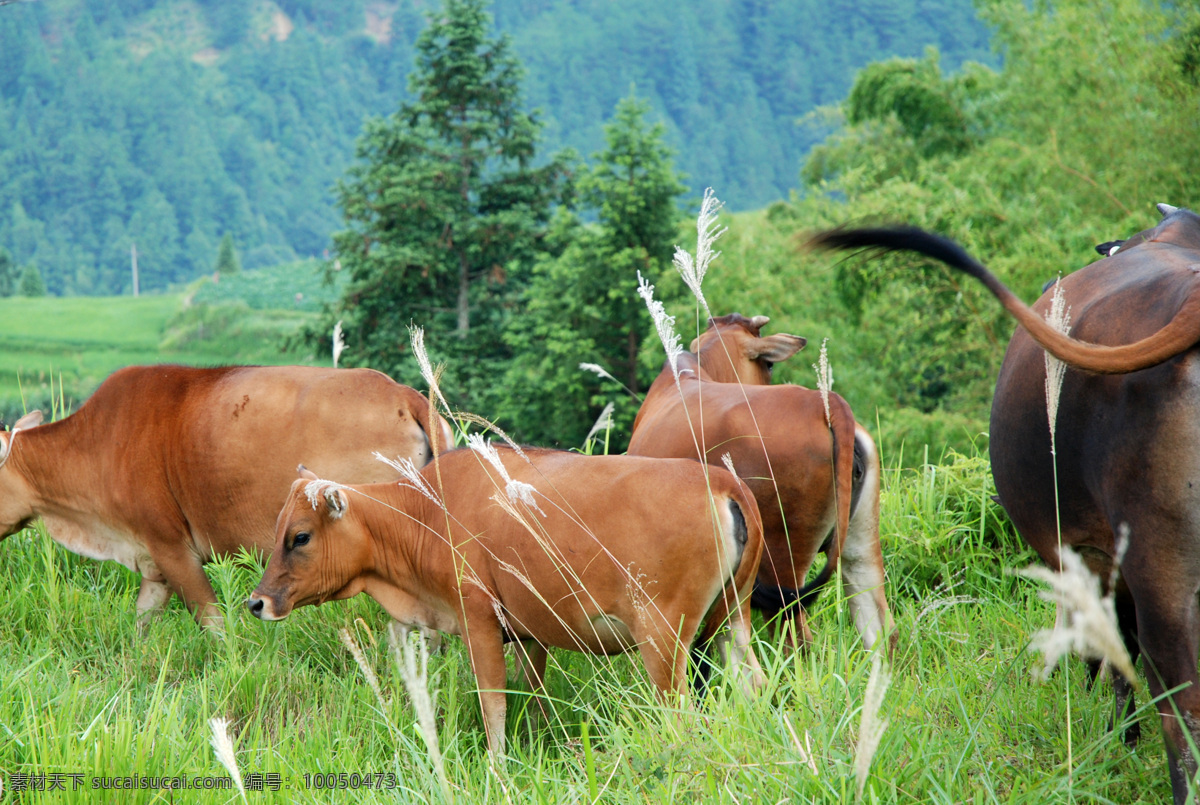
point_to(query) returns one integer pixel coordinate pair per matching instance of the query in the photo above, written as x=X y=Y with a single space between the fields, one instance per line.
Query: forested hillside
x=168 y=124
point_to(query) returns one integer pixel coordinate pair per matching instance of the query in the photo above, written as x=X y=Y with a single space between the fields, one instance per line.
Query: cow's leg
x=734 y=648
x=664 y=649
x=153 y=595
x=1124 y=705
x=862 y=559
x=185 y=574
x=1167 y=622
x=531 y=664
x=485 y=646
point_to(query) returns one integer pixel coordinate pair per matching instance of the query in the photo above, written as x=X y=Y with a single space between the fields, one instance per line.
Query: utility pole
x=133 y=256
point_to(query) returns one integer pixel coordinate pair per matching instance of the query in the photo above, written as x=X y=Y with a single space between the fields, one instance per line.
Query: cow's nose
x=256 y=605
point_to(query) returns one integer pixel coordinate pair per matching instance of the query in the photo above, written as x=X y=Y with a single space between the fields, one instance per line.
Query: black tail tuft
x=900 y=238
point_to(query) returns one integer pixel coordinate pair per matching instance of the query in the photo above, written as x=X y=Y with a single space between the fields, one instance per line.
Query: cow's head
x=731 y=349
x=15 y=507
x=321 y=551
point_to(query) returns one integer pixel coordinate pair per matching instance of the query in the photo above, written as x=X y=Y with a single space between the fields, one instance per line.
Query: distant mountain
x=168 y=123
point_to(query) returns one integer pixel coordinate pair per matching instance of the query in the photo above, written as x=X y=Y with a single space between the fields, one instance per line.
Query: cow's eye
x=301 y=539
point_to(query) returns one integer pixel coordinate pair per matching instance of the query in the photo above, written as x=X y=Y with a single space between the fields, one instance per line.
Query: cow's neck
x=55 y=471
x=412 y=558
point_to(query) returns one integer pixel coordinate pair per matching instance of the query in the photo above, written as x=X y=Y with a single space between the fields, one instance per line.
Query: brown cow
x=1127 y=443
x=599 y=554
x=165 y=467
x=817 y=485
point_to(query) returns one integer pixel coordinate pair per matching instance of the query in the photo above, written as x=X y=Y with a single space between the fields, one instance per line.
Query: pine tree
x=31 y=282
x=582 y=306
x=227 y=259
x=8 y=274
x=445 y=210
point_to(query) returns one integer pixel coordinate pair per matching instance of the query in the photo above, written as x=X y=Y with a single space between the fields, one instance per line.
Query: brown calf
x=165 y=467
x=598 y=554
x=816 y=480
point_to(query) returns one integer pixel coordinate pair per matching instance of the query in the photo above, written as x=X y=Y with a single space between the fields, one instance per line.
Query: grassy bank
x=82 y=692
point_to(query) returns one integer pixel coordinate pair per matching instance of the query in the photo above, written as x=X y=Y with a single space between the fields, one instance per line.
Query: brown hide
x=615 y=553
x=1127 y=442
x=165 y=467
x=799 y=468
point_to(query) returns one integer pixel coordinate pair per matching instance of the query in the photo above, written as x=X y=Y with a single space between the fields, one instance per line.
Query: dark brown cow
x=1127 y=442
x=600 y=554
x=801 y=469
x=165 y=467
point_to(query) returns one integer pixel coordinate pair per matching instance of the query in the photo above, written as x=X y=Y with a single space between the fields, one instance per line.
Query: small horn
x=305 y=473
x=1165 y=209
x=759 y=321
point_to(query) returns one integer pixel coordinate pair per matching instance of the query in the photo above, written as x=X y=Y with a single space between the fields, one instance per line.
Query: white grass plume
x=516 y=490
x=316 y=490
x=727 y=460
x=223 y=747
x=413 y=665
x=824 y=378
x=871 y=728
x=1088 y=624
x=663 y=323
x=417 y=337
x=598 y=369
x=411 y=475
x=706 y=234
x=603 y=422
x=339 y=343
x=372 y=680
x=1059 y=318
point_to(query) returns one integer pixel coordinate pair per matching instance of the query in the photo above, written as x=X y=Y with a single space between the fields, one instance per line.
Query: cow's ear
x=30 y=420
x=774 y=348
x=306 y=473
x=337 y=501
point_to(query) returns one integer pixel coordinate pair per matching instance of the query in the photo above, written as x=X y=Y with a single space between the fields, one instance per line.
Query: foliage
x=31 y=282
x=167 y=124
x=8 y=274
x=581 y=306
x=227 y=258
x=1070 y=145
x=446 y=210
x=301 y=286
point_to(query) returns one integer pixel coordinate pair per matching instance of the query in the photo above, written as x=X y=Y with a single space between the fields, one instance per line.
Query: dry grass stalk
x=1060 y=319
x=803 y=751
x=824 y=378
x=411 y=475
x=1087 y=624
x=413 y=664
x=339 y=343
x=663 y=323
x=372 y=681
x=223 y=746
x=871 y=728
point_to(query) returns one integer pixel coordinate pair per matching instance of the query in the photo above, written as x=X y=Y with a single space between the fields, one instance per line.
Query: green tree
x=8 y=273
x=582 y=305
x=31 y=282
x=227 y=259
x=446 y=209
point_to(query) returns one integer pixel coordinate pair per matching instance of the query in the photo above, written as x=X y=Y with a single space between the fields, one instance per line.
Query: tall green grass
x=82 y=691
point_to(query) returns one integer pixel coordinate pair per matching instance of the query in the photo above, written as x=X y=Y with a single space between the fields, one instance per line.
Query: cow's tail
x=1180 y=334
x=733 y=602
x=773 y=600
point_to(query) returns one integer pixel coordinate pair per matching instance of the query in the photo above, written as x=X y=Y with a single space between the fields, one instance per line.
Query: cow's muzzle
x=263 y=607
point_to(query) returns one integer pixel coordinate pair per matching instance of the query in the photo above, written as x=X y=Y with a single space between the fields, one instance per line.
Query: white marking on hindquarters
x=861 y=570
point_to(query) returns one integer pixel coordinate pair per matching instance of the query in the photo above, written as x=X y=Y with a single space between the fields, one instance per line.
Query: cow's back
x=219 y=447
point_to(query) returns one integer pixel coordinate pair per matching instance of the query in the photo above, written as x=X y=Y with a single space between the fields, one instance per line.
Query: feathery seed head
x=339 y=343
x=663 y=323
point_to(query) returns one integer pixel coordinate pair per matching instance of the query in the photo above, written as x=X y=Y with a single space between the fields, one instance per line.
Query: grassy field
x=81 y=691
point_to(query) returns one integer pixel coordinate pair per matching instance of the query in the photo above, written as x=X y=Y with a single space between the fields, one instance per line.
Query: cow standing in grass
x=598 y=554
x=166 y=467
x=814 y=474
x=1126 y=442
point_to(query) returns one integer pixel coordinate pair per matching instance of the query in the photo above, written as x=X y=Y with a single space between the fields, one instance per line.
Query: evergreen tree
x=582 y=305
x=227 y=259
x=445 y=209
x=31 y=282
x=8 y=274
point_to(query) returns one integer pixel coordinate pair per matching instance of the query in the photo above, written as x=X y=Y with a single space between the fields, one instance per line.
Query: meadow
x=84 y=692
